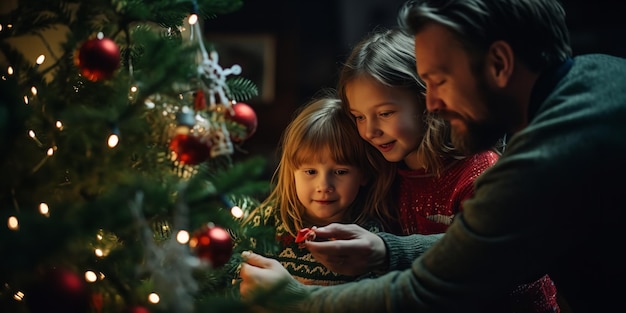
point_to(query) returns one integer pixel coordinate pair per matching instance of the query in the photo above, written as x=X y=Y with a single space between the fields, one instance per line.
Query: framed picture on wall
x=256 y=55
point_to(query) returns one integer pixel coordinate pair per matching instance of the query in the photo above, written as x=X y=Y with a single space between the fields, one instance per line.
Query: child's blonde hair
x=321 y=126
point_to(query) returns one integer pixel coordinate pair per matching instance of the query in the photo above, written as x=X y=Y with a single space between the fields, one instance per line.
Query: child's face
x=386 y=117
x=326 y=189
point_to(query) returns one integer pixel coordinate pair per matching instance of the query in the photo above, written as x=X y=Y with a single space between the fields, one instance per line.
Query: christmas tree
x=122 y=189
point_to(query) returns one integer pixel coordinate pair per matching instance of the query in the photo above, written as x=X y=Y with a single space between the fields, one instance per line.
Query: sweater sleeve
x=403 y=250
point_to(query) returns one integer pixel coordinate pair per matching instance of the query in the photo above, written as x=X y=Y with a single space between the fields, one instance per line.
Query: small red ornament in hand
x=244 y=116
x=98 y=58
x=212 y=244
x=303 y=235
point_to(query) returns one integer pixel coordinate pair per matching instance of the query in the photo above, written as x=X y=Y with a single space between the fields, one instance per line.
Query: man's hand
x=350 y=250
x=260 y=272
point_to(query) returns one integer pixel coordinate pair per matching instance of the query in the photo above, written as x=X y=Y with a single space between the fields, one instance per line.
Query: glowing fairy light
x=113 y=141
x=193 y=18
x=31 y=134
x=98 y=252
x=33 y=90
x=150 y=104
x=100 y=35
x=154 y=298
x=182 y=237
x=13 y=223
x=236 y=211
x=59 y=125
x=133 y=89
x=90 y=276
x=40 y=59
x=25 y=99
x=10 y=70
x=44 y=209
x=18 y=296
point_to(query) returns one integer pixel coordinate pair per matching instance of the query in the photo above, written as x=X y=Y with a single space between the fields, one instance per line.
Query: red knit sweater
x=429 y=203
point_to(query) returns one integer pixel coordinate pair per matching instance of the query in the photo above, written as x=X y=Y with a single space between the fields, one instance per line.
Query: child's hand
x=260 y=272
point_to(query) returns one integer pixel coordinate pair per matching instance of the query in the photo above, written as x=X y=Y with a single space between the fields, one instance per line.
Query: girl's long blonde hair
x=322 y=126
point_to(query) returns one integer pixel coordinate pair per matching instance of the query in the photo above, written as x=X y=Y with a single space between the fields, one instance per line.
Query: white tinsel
x=170 y=264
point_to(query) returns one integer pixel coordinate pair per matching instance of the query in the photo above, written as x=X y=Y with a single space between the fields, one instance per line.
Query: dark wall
x=313 y=38
x=597 y=26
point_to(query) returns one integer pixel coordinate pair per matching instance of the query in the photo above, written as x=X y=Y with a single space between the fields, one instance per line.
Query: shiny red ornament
x=305 y=234
x=190 y=149
x=212 y=244
x=58 y=290
x=245 y=116
x=98 y=59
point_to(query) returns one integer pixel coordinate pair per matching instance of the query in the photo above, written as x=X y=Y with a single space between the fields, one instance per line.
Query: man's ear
x=500 y=63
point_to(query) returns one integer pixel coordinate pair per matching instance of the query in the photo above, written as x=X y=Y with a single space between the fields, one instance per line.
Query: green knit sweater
x=299 y=261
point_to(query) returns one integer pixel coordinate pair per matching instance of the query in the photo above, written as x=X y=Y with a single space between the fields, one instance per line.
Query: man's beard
x=484 y=134
x=477 y=137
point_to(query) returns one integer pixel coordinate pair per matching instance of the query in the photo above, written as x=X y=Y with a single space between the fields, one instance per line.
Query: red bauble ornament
x=190 y=149
x=245 y=116
x=58 y=290
x=212 y=244
x=98 y=58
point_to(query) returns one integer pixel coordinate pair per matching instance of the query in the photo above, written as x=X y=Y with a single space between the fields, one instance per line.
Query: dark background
x=313 y=37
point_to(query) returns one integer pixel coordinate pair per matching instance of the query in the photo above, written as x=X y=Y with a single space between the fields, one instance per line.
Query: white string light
x=113 y=140
x=193 y=19
x=236 y=211
x=31 y=134
x=182 y=237
x=154 y=298
x=90 y=276
x=40 y=59
x=44 y=209
x=13 y=223
x=18 y=296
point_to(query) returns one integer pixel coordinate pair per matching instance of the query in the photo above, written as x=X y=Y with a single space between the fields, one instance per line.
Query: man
x=551 y=204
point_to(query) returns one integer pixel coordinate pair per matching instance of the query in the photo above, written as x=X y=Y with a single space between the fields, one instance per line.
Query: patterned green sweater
x=299 y=261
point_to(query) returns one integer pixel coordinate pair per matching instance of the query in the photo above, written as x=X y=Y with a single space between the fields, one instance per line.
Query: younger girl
x=326 y=174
